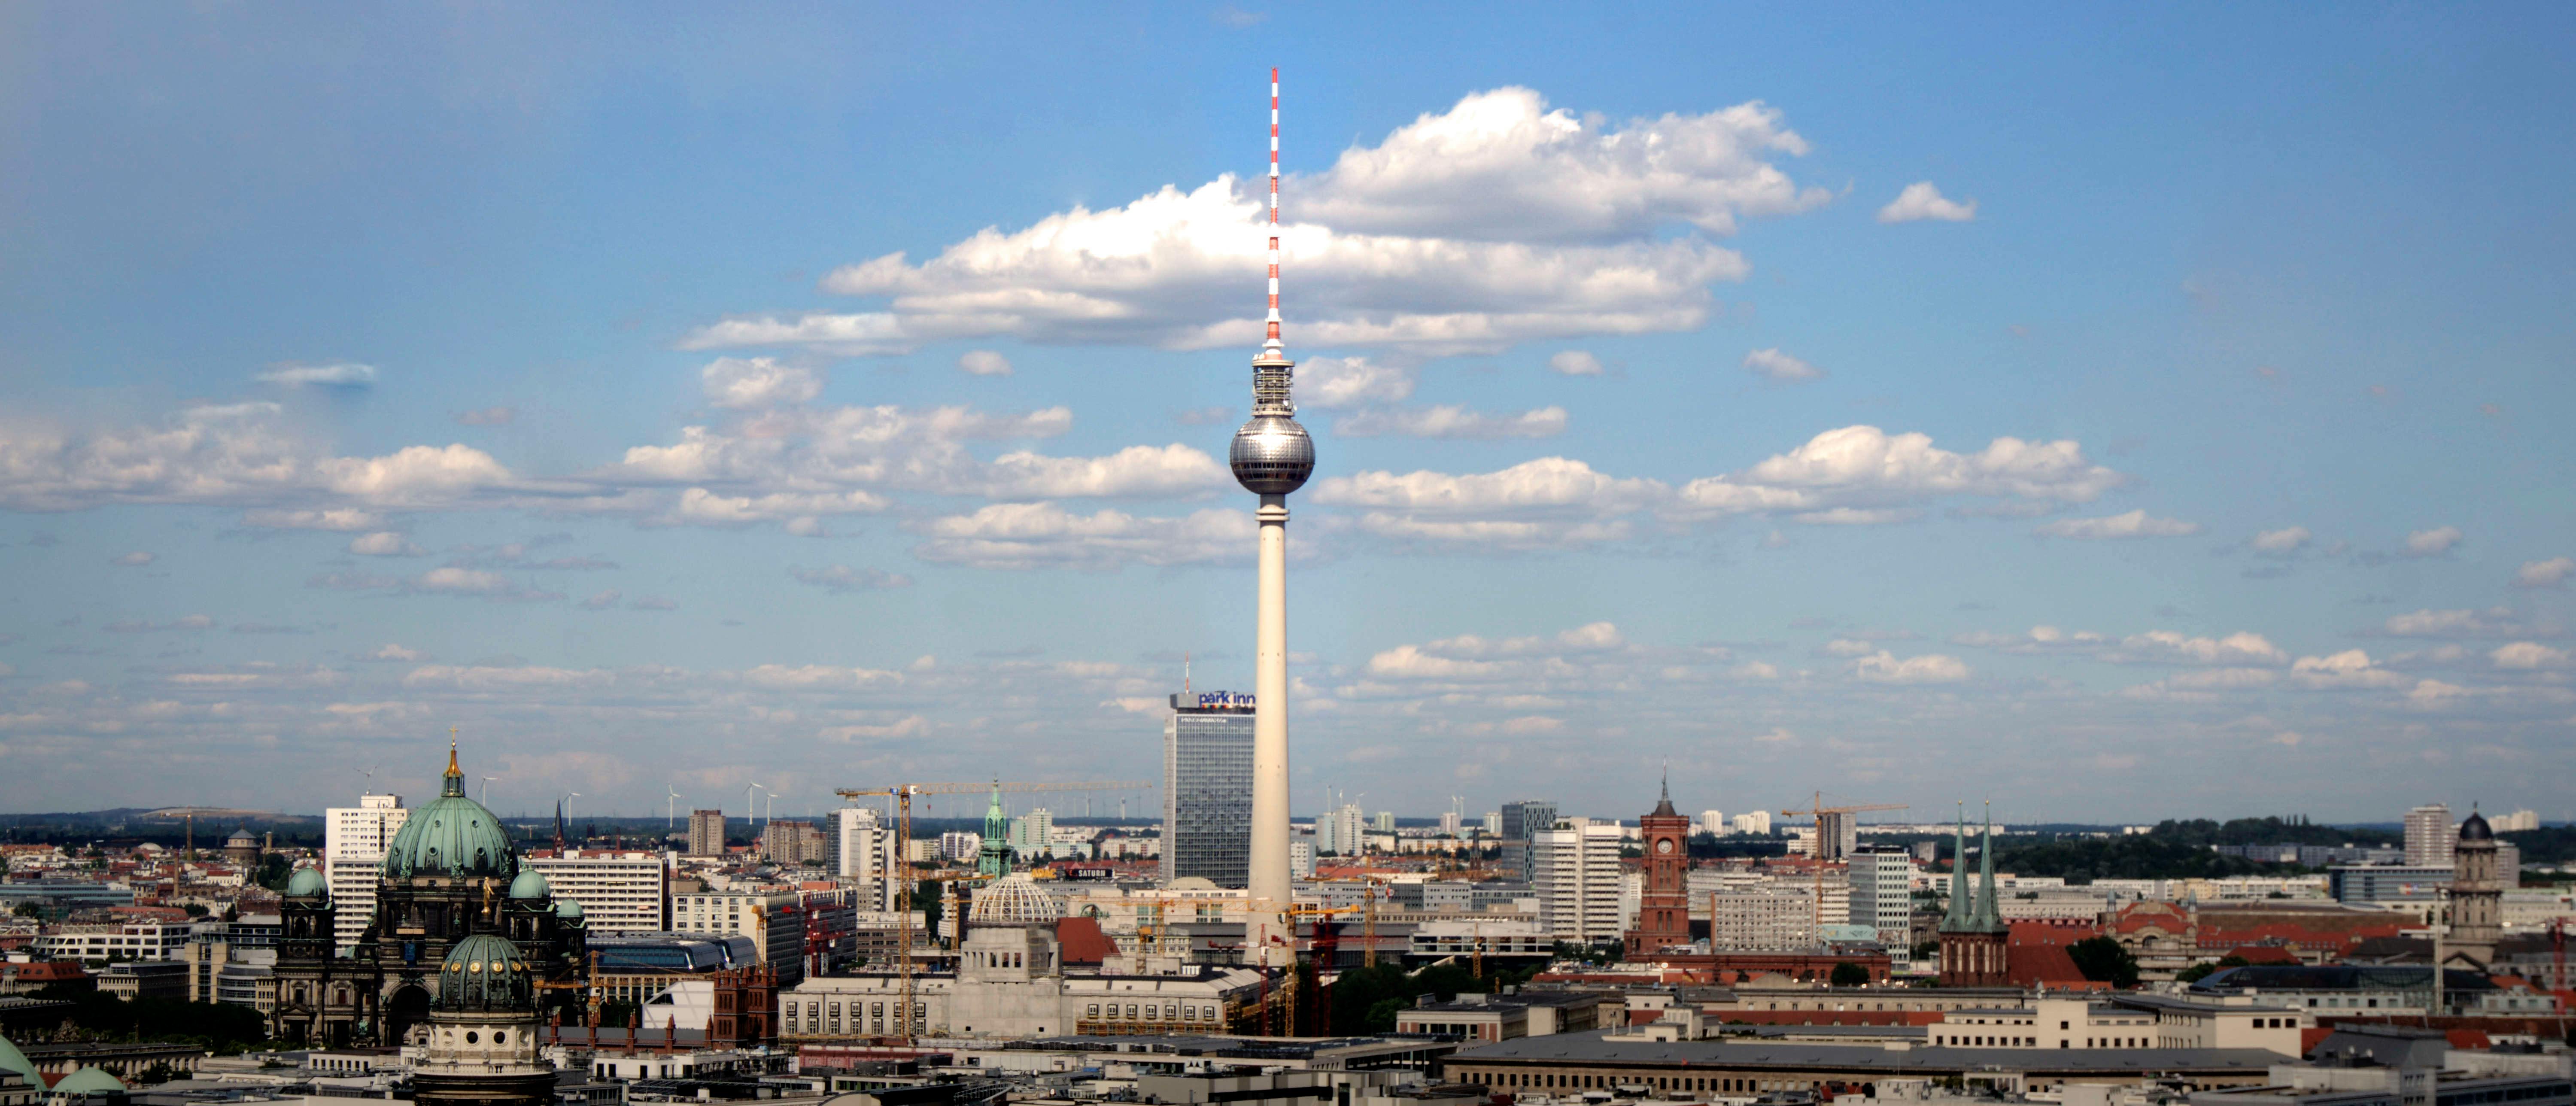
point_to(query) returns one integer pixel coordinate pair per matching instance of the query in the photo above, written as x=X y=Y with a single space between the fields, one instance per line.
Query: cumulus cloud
x=1449 y=421
x=344 y=374
x=1931 y=668
x=983 y=362
x=2432 y=543
x=1495 y=222
x=842 y=579
x=384 y=543
x=2131 y=524
x=2493 y=622
x=394 y=652
x=1574 y=362
x=452 y=580
x=753 y=383
x=1045 y=535
x=1920 y=201
x=1771 y=364
x=2168 y=647
x=2039 y=640
x=2350 y=669
x=1344 y=383
x=2281 y=542
x=237 y=456
x=338 y=518
x=2544 y=574
x=2527 y=655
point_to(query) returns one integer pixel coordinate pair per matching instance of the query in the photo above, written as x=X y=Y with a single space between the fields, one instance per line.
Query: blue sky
x=2117 y=414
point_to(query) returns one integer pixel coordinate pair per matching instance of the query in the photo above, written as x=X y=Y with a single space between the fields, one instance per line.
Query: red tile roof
x=1082 y=941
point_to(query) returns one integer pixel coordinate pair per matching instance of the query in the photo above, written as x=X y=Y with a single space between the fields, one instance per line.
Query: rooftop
x=1597 y=1048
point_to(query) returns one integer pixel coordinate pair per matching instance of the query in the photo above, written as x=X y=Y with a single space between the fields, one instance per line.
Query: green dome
x=531 y=884
x=307 y=883
x=484 y=972
x=568 y=910
x=13 y=1060
x=89 y=1080
x=452 y=836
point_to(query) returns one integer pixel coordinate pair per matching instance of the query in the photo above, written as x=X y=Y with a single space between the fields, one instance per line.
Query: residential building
x=1577 y=874
x=792 y=843
x=1754 y=822
x=619 y=892
x=1033 y=834
x=1713 y=823
x=101 y=942
x=2520 y=821
x=858 y=847
x=781 y=922
x=706 y=833
x=2429 y=835
x=1342 y=831
x=354 y=840
x=959 y=846
x=1207 y=789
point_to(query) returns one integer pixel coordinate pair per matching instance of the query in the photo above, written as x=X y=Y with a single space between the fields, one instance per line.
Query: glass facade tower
x=1207 y=789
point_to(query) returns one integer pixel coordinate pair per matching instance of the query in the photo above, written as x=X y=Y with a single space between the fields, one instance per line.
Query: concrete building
x=1675 y=1066
x=706 y=833
x=1033 y=835
x=2380 y=884
x=2126 y=1021
x=354 y=840
x=775 y=921
x=1522 y=822
x=858 y=848
x=2520 y=821
x=1342 y=831
x=1881 y=878
x=1754 y=822
x=1207 y=788
x=619 y=892
x=1578 y=877
x=1713 y=823
x=100 y=942
x=1479 y=1017
x=792 y=843
x=2429 y=835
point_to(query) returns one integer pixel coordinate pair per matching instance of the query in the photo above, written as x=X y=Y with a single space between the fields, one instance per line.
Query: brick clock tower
x=1663 y=910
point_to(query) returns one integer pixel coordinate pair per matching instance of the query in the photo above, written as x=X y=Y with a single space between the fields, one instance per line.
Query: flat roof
x=1602 y=1048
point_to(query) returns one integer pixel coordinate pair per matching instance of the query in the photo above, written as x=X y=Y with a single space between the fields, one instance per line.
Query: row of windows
x=1184 y=1012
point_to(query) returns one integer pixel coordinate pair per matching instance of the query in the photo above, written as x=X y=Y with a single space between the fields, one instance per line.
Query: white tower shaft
x=1269 y=933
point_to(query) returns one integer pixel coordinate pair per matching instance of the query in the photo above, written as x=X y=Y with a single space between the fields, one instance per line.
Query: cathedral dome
x=1013 y=901
x=2475 y=828
x=484 y=972
x=307 y=883
x=452 y=836
x=531 y=884
x=568 y=910
x=89 y=1080
x=13 y=1060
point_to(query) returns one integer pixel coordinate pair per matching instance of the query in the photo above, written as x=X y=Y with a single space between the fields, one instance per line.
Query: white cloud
x=2544 y=574
x=1847 y=647
x=136 y=559
x=1496 y=222
x=844 y=579
x=384 y=543
x=1447 y=421
x=2349 y=669
x=2527 y=655
x=1342 y=383
x=1771 y=364
x=444 y=580
x=1921 y=200
x=2432 y=543
x=1574 y=362
x=2491 y=622
x=2168 y=647
x=2040 y=640
x=2281 y=542
x=394 y=652
x=346 y=374
x=983 y=362
x=754 y=383
x=1931 y=668
x=2132 y=524
x=1866 y=466
x=603 y=600
x=337 y=518
x=1044 y=535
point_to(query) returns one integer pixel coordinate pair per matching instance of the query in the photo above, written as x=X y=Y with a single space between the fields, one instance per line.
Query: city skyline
x=2175 y=443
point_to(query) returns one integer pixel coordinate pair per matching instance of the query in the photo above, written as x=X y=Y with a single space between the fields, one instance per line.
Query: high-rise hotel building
x=1207 y=788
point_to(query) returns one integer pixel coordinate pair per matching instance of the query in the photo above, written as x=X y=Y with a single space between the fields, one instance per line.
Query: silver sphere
x=1272 y=455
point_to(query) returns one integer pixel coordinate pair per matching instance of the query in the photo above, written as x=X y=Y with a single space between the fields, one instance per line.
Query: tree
x=2207 y=968
x=925 y=898
x=1849 y=975
x=2102 y=960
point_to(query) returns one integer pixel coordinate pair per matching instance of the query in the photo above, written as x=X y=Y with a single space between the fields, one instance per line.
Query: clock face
x=1664 y=846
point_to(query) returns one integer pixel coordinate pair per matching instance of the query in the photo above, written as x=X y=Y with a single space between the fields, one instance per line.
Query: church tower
x=1973 y=934
x=1663 y=910
x=2477 y=895
x=482 y=1043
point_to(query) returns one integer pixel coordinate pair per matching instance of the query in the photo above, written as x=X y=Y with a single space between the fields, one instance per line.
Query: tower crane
x=1816 y=806
x=902 y=794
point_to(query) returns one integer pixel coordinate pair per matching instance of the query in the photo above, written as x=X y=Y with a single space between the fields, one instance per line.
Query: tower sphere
x=1272 y=455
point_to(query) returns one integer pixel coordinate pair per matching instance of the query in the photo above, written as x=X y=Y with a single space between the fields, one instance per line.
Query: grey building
x=2364 y=884
x=1207 y=788
x=1521 y=821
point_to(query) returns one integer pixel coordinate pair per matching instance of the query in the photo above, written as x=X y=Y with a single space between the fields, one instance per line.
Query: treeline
x=2129 y=856
x=213 y=1026
x=2546 y=845
x=2269 y=831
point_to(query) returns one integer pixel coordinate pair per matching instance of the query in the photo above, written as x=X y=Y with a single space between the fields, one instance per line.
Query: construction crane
x=1816 y=806
x=903 y=794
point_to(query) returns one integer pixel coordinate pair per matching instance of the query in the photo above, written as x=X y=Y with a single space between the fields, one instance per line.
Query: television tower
x=1271 y=457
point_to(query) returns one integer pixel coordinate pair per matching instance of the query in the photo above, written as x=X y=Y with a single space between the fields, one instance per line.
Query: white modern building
x=619 y=892
x=857 y=846
x=1713 y=823
x=1578 y=877
x=1754 y=822
x=2430 y=834
x=1882 y=897
x=353 y=844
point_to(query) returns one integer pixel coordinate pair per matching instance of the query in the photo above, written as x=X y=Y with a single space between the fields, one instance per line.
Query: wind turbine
x=487 y=791
x=569 y=796
x=750 y=810
x=670 y=809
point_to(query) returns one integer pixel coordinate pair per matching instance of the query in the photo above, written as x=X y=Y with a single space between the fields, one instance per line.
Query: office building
x=858 y=848
x=793 y=843
x=706 y=833
x=1384 y=822
x=959 y=846
x=1713 y=823
x=2371 y=884
x=1882 y=898
x=619 y=892
x=1521 y=822
x=1033 y=835
x=779 y=921
x=1207 y=789
x=354 y=839
x=1838 y=833
x=1452 y=823
x=1756 y=822
x=1577 y=875
x=2429 y=836
x=1342 y=832
x=1493 y=823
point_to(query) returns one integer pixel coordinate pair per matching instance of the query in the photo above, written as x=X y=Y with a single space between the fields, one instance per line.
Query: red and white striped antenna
x=1272 y=342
